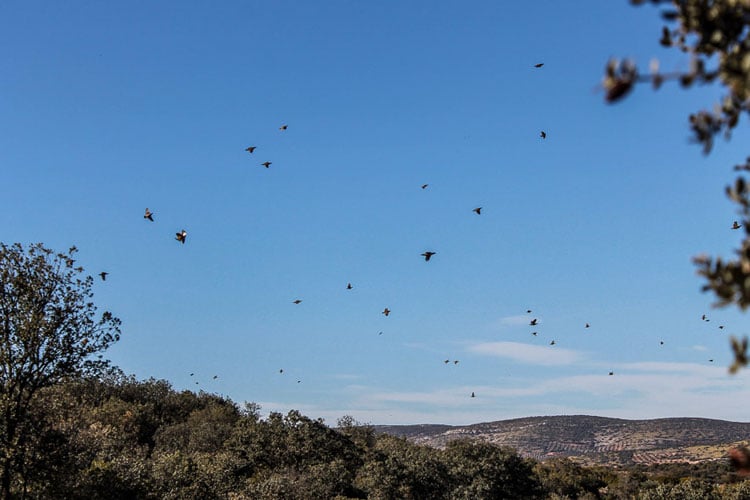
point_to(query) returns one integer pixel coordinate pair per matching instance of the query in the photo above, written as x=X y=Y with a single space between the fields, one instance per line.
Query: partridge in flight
x=736 y=225
x=283 y=127
x=250 y=149
x=297 y=301
x=386 y=311
x=266 y=164
x=427 y=256
x=181 y=236
x=103 y=274
x=149 y=215
x=539 y=65
x=543 y=134
x=478 y=210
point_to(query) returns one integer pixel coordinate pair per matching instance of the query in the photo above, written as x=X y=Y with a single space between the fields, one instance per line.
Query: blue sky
x=109 y=108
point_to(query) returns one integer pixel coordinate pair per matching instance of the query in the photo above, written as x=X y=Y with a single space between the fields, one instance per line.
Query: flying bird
x=528 y=311
x=533 y=322
x=611 y=373
x=736 y=225
x=424 y=186
x=103 y=274
x=266 y=164
x=552 y=343
x=661 y=342
x=386 y=311
x=478 y=210
x=539 y=65
x=250 y=149
x=704 y=318
x=455 y=362
x=427 y=256
x=215 y=377
x=349 y=286
x=283 y=127
x=472 y=395
x=380 y=333
x=447 y=361
x=149 y=215
x=534 y=334
x=587 y=325
x=297 y=301
x=543 y=134
x=181 y=236
x=192 y=374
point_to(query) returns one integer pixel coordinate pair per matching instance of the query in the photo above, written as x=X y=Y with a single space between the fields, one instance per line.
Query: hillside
x=594 y=439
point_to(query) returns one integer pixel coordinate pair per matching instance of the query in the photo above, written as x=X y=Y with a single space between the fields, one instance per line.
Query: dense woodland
x=116 y=437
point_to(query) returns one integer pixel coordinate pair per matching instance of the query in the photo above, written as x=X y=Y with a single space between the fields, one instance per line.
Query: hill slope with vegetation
x=601 y=440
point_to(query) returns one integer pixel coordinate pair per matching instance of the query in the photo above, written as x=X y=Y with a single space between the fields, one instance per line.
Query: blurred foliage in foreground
x=714 y=35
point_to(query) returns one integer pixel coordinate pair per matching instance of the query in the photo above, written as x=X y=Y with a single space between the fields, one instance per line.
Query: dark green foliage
x=565 y=478
x=49 y=331
x=481 y=470
x=113 y=437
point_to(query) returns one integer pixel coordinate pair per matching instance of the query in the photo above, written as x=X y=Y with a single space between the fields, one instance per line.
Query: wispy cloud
x=527 y=353
x=515 y=320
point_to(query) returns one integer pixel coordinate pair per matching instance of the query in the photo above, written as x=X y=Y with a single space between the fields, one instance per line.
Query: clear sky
x=107 y=108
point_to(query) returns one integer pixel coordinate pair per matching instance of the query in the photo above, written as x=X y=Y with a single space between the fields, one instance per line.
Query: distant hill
x=588 y=439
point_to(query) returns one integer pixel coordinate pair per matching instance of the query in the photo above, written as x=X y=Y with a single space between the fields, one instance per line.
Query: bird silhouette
x=455 y=362
x=427 y=255
x=543 y=134
x=528 y=311
x=380 y=333
x=587 y=325
x=297 y=301
x=386 y=311
x=478 y=210
x=552 y=343
x=103 y=274
x=149 y=215
x=266 y=164
x=250 y=149
x=281 y=370
x=611 y=373
x=283 y=127
x=424 y=186
x=447 y=361
x=181 y=236
x=534 y=334
x=472 y=395
x=661 y=342
x=704 y=318
x=349 y=286
x=539 y=65
x=215 y=377
x=192 y=374
x=736 y=225
x=721 y=327
x=710 y=360
x=533 y=322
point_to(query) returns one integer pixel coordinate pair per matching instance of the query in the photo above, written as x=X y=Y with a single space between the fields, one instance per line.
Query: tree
x=714 y=33
x=48 y=332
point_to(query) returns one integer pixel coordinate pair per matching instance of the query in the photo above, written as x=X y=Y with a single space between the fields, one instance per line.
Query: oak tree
x=49 y=331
